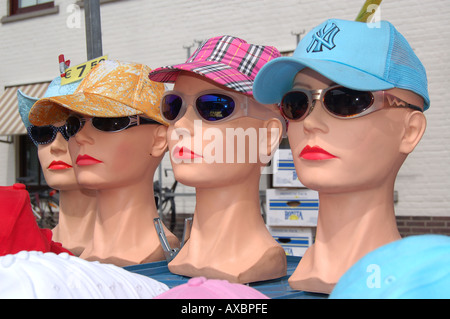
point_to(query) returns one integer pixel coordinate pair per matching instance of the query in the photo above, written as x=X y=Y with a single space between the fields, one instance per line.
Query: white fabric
x=37 y=275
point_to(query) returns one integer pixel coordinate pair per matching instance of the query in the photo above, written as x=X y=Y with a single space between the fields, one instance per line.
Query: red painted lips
x=315 y=153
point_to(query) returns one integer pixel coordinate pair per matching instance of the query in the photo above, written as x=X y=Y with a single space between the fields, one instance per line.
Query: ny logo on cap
x=323 y=38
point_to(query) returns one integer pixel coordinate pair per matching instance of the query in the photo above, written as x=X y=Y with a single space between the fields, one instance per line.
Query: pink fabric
x=202 y=288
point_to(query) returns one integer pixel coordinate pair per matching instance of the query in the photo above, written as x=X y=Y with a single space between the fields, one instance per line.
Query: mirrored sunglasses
x=211 y=106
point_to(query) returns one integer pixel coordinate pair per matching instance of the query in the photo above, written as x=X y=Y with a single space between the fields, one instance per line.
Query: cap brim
x=218 y=72
x=277 y=77
x=25 y=103
x=55 y=109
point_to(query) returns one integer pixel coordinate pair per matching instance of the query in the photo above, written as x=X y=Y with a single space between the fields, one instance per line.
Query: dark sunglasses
x=74 y=124
x=211 y=106
x=41 y=135
x=338 y=101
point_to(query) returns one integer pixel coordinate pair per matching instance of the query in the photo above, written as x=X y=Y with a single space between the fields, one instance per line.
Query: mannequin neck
x=77 y=212
x=117 y=207
x=76 y=204
x=228 y=205
x=366 y=215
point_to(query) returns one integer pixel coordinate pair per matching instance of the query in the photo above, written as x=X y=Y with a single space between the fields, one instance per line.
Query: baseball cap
x=415 y=267
x=357 y=55
x=26 y=102
x=202 y=288
x=226 y=60
x=111 y=89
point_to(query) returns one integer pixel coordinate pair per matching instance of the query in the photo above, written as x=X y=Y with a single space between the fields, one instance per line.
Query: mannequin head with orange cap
x=117 y=139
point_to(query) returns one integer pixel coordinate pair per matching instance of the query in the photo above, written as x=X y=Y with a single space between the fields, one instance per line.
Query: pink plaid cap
x=202 y=288
x=226 y=60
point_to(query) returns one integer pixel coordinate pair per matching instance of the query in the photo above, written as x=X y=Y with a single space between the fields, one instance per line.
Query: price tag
x=78 y=72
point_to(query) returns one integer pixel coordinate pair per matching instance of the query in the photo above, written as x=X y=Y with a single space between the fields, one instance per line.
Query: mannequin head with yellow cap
x=117 y=139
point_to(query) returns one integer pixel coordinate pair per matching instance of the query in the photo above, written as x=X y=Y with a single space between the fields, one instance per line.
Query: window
x=25 y=6
x=30 y=171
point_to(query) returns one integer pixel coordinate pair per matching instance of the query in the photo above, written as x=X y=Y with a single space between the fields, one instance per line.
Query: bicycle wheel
x=36 y=209
x=50 y=209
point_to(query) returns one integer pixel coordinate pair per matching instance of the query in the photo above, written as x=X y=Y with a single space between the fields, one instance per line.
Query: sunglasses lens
x=215 y=107
x=171 y=106
x=63 y=132
x=347 y=102
x=294 y=105
x=110 y=124
x=73 y=125
x=42 y=134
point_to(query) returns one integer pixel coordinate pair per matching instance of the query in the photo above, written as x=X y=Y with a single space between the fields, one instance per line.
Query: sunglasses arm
x=393 y=101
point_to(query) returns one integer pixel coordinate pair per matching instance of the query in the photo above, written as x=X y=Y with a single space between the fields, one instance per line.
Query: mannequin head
x=354 y=94
x=219 y=139
x=51 y=140
x=365 y=152
x=56 y=163
x=224 y=152
x=106 y=119
x=364 y=148
x=209 y=144
x=118 y=158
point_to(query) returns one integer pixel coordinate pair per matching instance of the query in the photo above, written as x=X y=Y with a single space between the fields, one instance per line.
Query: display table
x=275 y=289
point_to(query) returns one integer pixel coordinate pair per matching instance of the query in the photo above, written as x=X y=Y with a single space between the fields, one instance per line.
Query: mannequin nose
x=84 y=134
x=59 y=145
x=316 y=119
x=187 y=120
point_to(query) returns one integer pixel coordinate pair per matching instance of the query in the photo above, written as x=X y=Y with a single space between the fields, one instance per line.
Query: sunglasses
x=74 y=124
x=211 y=106
x=338 y=101
x=41 y=135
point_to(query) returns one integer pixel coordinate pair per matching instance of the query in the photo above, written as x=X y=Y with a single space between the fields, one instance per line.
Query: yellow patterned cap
x=111 y=89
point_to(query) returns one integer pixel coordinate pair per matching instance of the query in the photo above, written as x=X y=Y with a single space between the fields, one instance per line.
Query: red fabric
x=18 y=228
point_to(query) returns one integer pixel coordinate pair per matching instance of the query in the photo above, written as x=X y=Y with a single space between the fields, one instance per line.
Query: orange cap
x=111 y=89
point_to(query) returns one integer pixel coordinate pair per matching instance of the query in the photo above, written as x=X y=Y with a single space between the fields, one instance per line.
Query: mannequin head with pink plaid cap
x=219 y=140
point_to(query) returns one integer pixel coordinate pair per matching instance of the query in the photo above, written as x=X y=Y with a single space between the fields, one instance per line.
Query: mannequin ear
x=415 y=125
x=159 y=146
x=270 y=138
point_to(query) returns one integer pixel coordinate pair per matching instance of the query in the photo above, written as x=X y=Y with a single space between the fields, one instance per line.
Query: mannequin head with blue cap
x=51 y=140
x=354 y=96
x=76 y=204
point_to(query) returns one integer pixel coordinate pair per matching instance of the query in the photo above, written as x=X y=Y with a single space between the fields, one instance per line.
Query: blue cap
x=25 y=104
x=361 y=56
x=54 y=89
x=416 y=267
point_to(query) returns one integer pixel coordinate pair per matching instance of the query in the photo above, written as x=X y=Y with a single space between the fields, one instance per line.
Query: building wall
x=157 y=33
